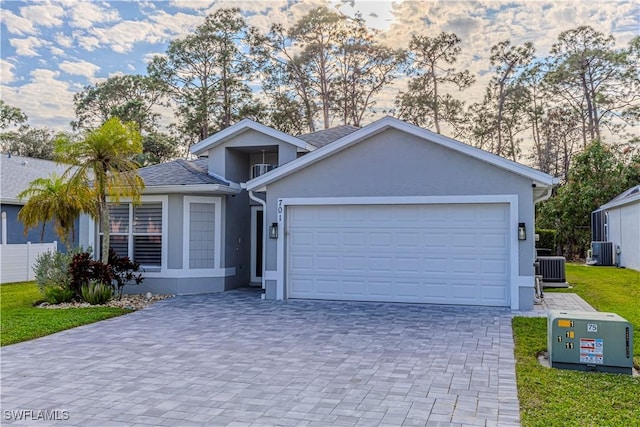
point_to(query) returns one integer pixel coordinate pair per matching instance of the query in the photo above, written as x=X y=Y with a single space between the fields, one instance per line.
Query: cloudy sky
x=52 y=49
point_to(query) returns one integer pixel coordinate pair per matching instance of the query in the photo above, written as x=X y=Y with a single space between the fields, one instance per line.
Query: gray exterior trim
x=231 y=132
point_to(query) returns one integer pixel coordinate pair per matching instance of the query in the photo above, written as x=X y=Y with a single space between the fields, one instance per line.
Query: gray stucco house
x=16 y=173
x=618 y=222
x=388 y=212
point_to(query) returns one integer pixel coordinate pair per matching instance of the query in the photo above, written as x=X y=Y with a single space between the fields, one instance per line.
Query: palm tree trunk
x=104 y=223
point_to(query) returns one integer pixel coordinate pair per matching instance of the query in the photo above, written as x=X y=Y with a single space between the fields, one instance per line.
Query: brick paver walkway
x=233 y=359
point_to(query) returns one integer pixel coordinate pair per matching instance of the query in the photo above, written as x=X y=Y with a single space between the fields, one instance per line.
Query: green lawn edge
x=554 y=397
x=21 y=321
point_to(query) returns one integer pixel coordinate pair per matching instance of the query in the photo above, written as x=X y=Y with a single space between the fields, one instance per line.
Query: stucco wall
x=624 y=231
x=234 y=165
x=15 y=230
x=393 y=163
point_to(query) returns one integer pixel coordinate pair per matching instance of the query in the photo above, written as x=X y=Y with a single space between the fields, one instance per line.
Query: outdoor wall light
x=273 y=231
x=522 y=231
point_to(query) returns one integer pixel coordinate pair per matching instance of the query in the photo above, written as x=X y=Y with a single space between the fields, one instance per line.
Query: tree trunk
x=104 y=223
x=436 y=101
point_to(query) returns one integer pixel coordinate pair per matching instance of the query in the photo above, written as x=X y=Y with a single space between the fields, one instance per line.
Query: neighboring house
x=16 y=173
x=389 y=212
x=618 y=222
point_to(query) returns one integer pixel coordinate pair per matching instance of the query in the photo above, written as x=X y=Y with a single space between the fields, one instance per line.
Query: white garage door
x=442 y=254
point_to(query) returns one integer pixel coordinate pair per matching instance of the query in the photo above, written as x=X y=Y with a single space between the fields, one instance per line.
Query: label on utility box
x=591 y=351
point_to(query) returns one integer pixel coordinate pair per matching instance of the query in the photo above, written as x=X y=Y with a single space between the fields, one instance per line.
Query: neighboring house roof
x=629 y=196
x=542 y=180
x=178 y=174
x=243 y=126
x=17 y=172
x=327 y=136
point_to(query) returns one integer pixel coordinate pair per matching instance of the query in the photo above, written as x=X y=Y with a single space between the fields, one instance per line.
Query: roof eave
x=618 y=203
x=241 y=127
x=191 y=188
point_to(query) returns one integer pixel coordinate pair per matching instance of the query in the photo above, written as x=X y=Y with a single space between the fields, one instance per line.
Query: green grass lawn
x=21 y=321
x=554 y=397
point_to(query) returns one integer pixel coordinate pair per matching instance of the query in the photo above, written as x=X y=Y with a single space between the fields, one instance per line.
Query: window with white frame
x=202 y=232
x=136 y=232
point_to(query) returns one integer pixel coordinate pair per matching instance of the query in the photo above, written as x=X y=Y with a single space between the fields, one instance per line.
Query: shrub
x=58 y=295
x=83 y=269
x=122 y=270
x=51 y=273
x=548 y=239
x=96 y=293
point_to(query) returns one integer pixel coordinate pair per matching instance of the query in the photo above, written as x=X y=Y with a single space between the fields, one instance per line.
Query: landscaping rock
x=131 y=302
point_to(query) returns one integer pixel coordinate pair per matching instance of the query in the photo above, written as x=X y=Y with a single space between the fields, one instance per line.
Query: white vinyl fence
x=16 y=260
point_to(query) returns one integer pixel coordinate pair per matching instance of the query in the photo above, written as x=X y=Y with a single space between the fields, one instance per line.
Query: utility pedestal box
x=590 y=341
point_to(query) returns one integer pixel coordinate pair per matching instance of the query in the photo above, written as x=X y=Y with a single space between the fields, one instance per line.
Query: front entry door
x=256 y=244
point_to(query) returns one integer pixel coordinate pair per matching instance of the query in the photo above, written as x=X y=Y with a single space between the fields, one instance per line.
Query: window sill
x=151 y=269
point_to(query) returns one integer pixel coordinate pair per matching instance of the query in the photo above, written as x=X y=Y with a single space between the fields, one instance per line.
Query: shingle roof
x=16 y=172
x=629 y=196
x=327 y=136
x=179 y=172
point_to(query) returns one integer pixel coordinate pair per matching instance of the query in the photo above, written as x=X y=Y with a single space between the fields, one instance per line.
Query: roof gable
x=17 y=172
x=631 y=195
x=232 y=131
x=540 y=178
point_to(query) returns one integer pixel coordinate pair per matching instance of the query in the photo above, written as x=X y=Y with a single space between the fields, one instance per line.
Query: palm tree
x=103 y=161
x=54 y=199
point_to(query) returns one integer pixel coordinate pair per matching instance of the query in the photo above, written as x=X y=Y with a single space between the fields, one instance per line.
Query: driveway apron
x=234 y=359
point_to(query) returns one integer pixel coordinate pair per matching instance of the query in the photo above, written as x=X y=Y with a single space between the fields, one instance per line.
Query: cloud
x=191 y=4
x=45 y=99
x=122 y=36
x=176 y=24
x=6 y=71
x=63 y=40
x=46 y=15
x=27 y=46
x=80 y=68
x=16 y=24
x=56 y=51
x=87 y=14
x=89 y=43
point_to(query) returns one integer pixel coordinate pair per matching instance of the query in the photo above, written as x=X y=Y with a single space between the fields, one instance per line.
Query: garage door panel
x=354 y=264
x=380 y=264
x=379 y=239
x=352 y=239
x=465 y=265
x=447 y=254
x=329 y=264
x=494 y=240
x=354 y=288
x=497 y=267
x=434 y=265
x=380 y=288
x=408 y=264
x=328 y=287
x=435 y=239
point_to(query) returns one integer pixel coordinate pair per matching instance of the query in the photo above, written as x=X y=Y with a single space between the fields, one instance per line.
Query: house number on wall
x=280 y=210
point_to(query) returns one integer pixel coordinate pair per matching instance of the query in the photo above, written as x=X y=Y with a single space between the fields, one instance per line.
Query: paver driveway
x=233 y=359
